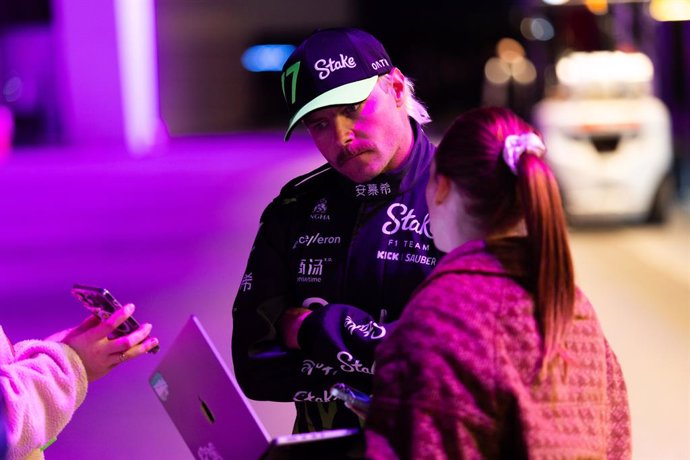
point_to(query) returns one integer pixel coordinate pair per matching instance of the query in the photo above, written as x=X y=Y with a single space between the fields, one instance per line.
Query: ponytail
x=496 y=160
x=548 y=242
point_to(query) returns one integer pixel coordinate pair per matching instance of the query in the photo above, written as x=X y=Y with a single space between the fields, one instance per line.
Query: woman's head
x=490 y=176
x=471 y=156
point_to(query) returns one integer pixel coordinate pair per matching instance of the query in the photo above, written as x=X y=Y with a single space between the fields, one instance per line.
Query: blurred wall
x=203 y=86
x=27 y=70
x=88 y=72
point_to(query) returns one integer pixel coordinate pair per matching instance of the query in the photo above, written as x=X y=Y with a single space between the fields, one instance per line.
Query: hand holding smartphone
x=102 y=304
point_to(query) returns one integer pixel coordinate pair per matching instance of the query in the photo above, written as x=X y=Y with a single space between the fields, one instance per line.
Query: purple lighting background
x=167 y=222
x=169 y=233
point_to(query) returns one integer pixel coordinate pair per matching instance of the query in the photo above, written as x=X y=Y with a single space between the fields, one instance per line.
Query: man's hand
x=290 y=323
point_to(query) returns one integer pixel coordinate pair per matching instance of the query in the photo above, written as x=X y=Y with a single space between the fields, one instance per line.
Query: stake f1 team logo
x=326 y=67
x=404 y=218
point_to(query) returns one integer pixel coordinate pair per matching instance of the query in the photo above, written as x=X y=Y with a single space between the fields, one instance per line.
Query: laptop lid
x=204 y=401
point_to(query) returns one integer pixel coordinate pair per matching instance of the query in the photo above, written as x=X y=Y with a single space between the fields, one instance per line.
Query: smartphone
x=354 y=398
x=101 y=303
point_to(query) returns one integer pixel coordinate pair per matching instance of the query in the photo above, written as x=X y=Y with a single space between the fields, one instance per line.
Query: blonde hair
x=414 y=107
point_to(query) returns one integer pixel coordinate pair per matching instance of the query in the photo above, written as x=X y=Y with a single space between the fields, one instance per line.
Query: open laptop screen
x=217 y=422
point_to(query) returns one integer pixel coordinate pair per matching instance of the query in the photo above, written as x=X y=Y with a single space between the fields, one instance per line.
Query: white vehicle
x=608 y=139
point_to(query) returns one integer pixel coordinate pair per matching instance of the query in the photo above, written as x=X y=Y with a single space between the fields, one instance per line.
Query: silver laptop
x=204 y=401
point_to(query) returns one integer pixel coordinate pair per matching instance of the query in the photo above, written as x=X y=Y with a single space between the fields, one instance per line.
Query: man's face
x=363 y=140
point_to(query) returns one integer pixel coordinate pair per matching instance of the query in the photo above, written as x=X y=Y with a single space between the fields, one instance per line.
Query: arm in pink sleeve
x=43 y=382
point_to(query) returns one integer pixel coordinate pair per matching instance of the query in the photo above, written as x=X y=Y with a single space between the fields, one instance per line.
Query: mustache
x=348 y=153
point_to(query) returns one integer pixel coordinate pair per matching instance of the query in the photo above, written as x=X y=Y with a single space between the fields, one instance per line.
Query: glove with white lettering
x=345 y=338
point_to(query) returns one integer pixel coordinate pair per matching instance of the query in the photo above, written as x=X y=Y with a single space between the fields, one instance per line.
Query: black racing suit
x=361 y=247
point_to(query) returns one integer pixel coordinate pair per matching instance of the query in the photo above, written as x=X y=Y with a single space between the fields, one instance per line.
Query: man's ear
x=443 y=188
x=398 y=85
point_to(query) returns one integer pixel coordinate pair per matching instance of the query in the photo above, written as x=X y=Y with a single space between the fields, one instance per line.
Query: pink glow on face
x=136 y=40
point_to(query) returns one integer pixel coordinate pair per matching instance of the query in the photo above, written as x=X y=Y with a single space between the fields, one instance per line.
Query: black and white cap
x=331 y=67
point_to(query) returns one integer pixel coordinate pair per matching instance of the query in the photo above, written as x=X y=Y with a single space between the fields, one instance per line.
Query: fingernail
x=129 y=308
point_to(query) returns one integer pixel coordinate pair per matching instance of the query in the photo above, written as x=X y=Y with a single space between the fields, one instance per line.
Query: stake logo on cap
x=331 y=67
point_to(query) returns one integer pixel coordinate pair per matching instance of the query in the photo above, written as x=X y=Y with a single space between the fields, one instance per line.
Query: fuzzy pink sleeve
x=44 y=382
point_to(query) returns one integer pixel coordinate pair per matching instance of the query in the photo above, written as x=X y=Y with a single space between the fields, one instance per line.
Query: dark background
x=441 y=44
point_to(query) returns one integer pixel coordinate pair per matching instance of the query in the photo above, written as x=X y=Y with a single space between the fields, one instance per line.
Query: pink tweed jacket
x=458 y=377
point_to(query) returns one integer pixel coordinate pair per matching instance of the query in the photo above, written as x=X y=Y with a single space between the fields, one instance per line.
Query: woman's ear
x=443 y=188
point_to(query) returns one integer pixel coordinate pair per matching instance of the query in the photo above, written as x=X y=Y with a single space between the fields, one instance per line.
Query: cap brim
x=346 y=94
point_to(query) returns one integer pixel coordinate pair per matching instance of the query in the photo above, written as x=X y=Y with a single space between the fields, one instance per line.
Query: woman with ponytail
x=498 y=354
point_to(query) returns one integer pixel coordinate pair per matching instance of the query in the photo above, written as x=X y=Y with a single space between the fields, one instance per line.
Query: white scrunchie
x=517 y=144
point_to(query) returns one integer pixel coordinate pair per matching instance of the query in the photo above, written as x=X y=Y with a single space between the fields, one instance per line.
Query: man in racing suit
x=340 y=250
